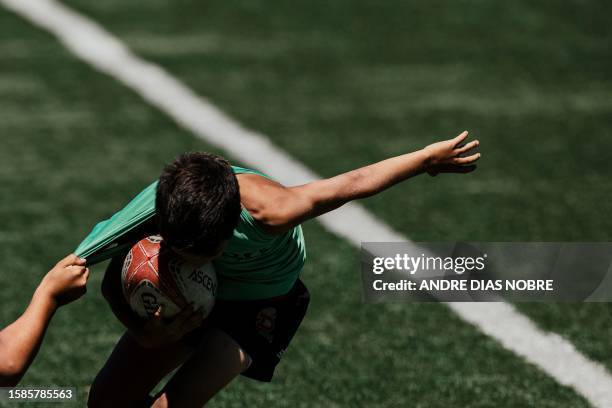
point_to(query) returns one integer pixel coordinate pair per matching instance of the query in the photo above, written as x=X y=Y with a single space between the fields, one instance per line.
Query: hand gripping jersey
x=254 y=265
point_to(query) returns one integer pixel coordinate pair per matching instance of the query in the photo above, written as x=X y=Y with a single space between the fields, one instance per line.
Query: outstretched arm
x=280 y=208
x=20 y=341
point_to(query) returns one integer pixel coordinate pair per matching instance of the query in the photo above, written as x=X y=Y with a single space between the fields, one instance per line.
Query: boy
x=20 y=341
x=249 y=227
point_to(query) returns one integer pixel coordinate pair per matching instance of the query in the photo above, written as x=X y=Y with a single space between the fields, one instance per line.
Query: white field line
x=91 y=43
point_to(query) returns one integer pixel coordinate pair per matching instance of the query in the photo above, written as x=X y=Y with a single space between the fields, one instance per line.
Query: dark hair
x=197 y=202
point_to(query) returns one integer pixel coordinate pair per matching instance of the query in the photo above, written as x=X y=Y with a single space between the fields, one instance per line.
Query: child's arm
x=20 y=341
x=280 y=208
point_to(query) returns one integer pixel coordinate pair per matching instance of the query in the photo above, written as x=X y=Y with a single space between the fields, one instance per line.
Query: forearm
x=329 y=194
x=21 y=340
x=375 y=178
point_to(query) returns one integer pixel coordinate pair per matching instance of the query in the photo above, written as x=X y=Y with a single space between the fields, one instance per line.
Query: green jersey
x=254 y=264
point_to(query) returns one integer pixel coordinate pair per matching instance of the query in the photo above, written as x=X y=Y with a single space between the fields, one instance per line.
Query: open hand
x=452 y=156
x=158 y=332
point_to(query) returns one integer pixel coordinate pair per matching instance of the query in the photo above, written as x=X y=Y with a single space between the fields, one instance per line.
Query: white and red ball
x=154 y=276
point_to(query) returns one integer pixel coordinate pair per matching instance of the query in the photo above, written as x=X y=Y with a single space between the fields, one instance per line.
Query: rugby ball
x=153 y=276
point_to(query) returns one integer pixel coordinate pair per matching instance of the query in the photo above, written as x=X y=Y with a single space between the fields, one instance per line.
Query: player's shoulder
x=256 y=180
x=260 y=195
x=257 y=191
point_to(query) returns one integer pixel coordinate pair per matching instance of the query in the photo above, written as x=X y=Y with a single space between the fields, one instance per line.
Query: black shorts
x=263 y=328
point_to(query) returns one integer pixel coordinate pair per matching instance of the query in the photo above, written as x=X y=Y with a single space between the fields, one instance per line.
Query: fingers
x=81 y=280
x=85 y=278
x=467 y=147
x=78 y=270
x=460 y=138
x=71 y=259
x=159 y=331
x=182 y=317
x=194 y=321
x=466 y=160
x=188 y=319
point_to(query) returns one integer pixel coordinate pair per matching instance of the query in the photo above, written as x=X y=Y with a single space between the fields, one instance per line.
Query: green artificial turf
x=337 y=85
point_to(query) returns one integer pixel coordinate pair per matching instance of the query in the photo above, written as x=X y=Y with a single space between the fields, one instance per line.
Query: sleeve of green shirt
x=99 y=245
